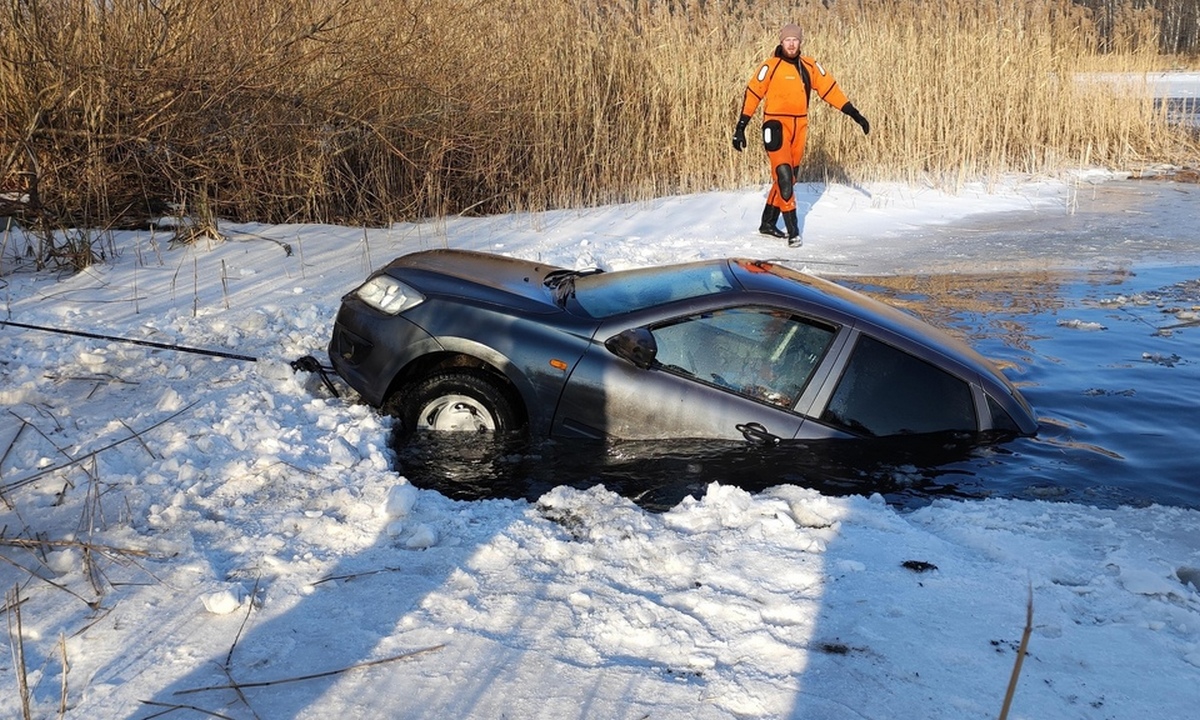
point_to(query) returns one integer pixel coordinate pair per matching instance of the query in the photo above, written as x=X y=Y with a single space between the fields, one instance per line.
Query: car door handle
x=757 y=433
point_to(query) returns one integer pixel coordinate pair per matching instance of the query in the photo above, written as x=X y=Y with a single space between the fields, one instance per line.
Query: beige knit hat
x=791 y=30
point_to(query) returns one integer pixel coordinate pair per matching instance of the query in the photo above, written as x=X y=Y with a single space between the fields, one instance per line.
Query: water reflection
x=1107 y=357
x=974 y=307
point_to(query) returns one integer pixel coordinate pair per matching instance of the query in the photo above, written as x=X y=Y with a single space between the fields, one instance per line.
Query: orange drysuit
x=783 y=86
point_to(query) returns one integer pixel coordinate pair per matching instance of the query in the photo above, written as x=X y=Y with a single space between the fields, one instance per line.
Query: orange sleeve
x=824 y=85
x=756 y=89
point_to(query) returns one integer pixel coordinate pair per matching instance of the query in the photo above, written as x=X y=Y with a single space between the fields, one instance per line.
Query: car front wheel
x=457 y=402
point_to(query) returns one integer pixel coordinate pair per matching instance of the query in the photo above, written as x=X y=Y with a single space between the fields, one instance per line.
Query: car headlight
x=388 y=295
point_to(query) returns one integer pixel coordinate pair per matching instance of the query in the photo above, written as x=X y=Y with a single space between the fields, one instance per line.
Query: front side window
x=885 y=391
x=762 y=353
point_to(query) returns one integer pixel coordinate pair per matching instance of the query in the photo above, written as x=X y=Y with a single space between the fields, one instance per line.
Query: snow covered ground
x=1170 y=84
x=175 y=524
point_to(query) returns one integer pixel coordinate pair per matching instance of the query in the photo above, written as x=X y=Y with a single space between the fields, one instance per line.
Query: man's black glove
x=739 y=133
x=857 y=117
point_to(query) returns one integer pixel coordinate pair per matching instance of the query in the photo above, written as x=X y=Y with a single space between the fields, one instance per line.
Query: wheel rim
x=456 y=413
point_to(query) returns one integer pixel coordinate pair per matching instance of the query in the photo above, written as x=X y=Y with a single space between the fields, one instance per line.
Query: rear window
x=608 y=294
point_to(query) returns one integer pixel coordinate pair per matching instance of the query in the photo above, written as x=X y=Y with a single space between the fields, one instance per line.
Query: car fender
x=396 y=366
x=538 y=405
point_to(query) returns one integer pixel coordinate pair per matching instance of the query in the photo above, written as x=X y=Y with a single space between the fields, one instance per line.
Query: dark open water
x=1092 y=313
x=1111 y=362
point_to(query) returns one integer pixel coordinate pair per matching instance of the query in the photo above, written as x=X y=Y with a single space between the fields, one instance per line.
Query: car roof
x=856 y=308
x=769 y=277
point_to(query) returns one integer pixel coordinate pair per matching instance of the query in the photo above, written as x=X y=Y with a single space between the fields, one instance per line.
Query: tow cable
x=308 y=363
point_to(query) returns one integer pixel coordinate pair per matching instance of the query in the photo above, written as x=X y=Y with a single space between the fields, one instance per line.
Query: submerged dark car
x=728 y=349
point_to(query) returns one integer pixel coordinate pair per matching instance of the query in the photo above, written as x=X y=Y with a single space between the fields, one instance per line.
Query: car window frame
x=816 y=377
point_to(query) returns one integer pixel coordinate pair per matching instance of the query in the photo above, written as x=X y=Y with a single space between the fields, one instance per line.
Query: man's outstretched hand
x=857 y=117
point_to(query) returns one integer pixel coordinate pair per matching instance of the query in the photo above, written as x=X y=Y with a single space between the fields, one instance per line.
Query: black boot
x=769 y=218
x=793 y=228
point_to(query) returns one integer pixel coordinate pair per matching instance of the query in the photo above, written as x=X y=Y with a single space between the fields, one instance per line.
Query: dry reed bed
x=381 y=110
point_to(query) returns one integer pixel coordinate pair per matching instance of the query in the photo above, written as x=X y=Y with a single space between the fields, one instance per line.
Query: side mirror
x=636 y=345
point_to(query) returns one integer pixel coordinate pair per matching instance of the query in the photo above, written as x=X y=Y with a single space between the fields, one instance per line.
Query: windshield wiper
x=562 y=283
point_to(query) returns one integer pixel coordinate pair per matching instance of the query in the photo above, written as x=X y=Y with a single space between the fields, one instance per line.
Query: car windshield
x=607 y=294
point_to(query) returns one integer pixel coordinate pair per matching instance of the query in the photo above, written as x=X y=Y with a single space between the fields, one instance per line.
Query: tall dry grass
x=378 y=110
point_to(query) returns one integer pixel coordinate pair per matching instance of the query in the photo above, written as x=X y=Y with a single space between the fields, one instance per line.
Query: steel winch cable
x=131 y=341
x=307 y=363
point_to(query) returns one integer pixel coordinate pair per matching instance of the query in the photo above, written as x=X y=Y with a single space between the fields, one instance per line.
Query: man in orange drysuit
x=783 y=84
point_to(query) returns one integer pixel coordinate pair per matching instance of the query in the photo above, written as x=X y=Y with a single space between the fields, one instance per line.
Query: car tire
x=456 y=402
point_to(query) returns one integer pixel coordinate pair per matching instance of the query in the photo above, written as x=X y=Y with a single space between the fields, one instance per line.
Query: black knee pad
x=772 y=131
x=786 y=178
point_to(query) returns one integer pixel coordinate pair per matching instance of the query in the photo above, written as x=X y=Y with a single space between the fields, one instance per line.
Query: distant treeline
x=373 y=111
x=1178 y=22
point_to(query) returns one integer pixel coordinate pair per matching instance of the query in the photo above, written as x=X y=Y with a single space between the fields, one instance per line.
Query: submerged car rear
x=1003 y=408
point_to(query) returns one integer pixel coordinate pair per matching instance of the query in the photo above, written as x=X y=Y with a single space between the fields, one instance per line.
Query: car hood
x=477 y=276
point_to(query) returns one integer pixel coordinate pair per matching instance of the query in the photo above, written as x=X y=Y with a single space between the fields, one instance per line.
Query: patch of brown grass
x=381 y=110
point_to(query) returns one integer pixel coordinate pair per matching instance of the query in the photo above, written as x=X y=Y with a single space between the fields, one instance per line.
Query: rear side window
x=1001 y=420
x=885 y=391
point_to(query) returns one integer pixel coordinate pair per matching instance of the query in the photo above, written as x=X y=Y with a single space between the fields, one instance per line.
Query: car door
x=732 y=373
